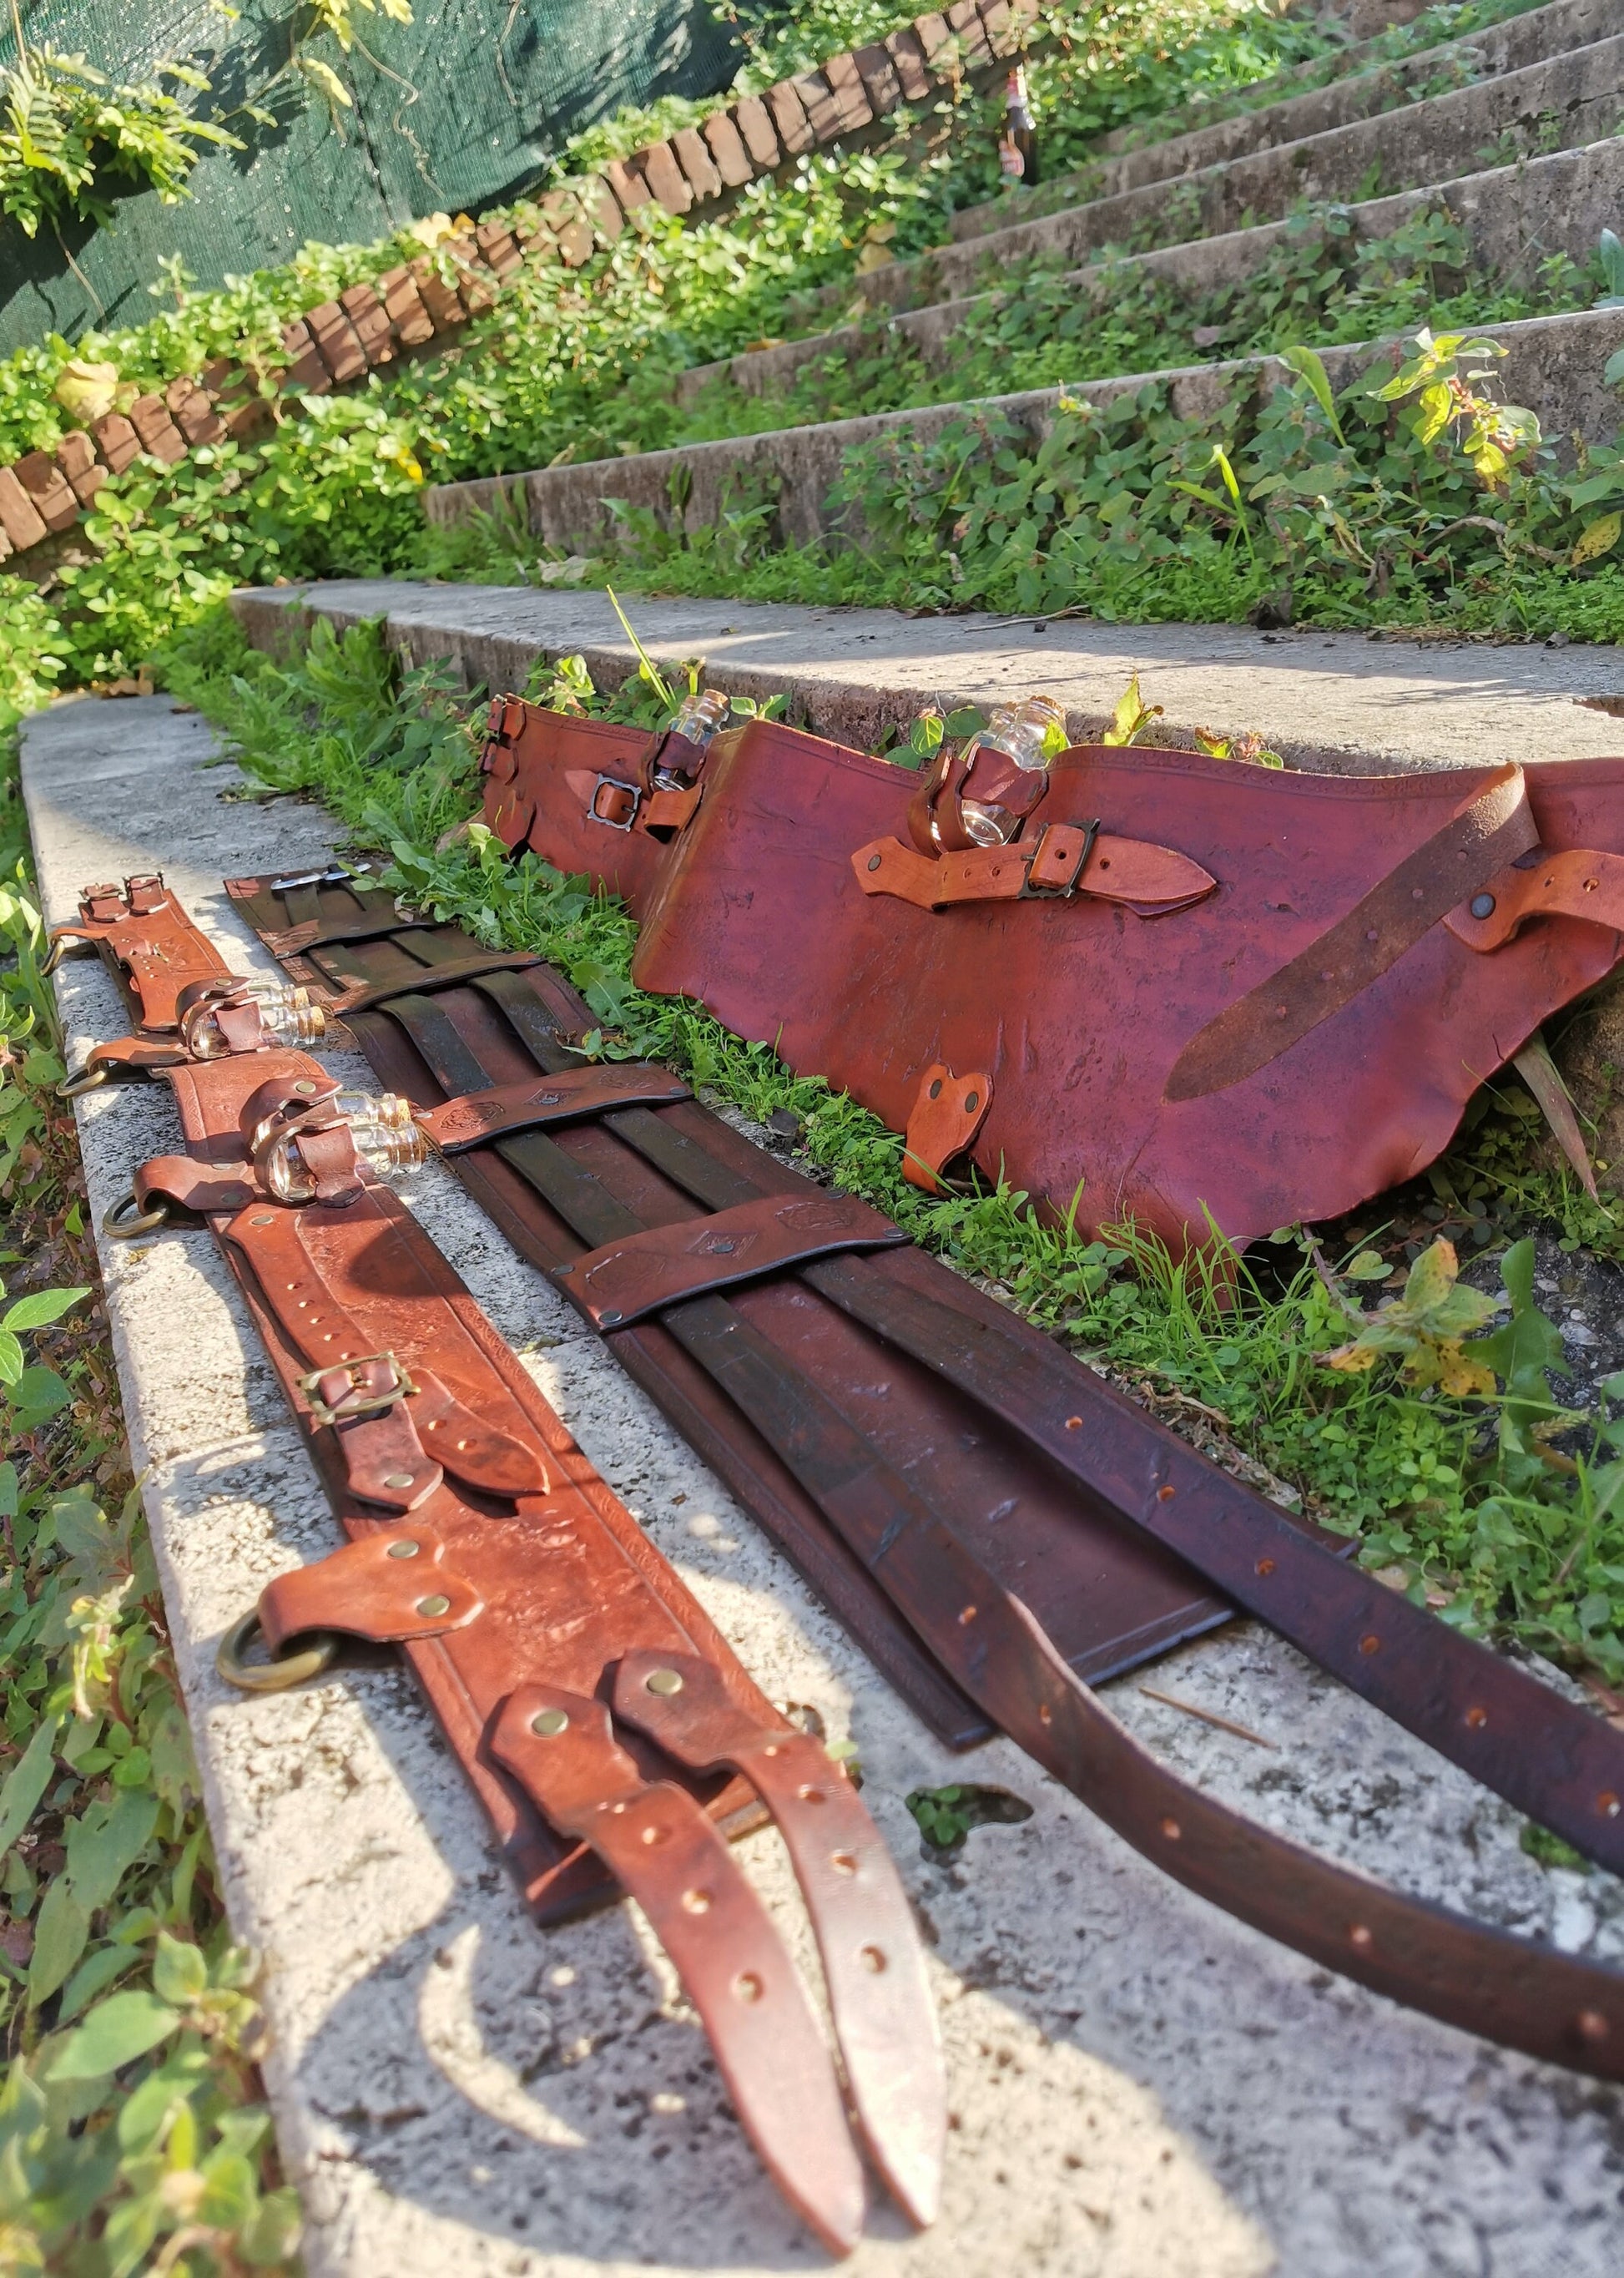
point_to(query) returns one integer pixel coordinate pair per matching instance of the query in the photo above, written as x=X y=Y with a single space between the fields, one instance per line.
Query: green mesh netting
x=457 y=111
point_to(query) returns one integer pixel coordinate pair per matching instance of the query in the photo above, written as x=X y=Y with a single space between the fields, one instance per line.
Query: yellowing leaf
x=86 y=391
x=324 y=76
x=1598 y=537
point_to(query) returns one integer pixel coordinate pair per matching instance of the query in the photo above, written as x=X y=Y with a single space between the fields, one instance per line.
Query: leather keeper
x=623 y=1280
x=132 y=1055
x=321 y=933
x=476 y=1117
x=189 y=1185
x=946 y=1116
x=1575 y=884
x=234 y=1011
x=1064 y=859
x=388 y=1587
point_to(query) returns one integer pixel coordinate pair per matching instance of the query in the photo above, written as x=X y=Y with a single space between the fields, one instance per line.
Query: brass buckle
x=613 y=783
x=367 y=1403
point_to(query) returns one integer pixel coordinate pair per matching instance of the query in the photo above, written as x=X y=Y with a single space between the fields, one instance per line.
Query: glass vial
x=1021 y=731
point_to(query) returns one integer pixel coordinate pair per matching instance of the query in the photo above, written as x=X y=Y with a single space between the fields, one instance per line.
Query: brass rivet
x=1482 y=905
x=609 y=1319
x=874 y=861
x=935 y=1089
x=399 y=1478
x=265 y=1218
x=433 y=1608
x=972 y=1100
x=549 y=1724
x=401 y=1550
x=304 y=1089
x=663 y=1681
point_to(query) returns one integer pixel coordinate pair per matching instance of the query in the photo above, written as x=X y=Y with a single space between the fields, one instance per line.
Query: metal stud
x=663 y=1681
x=399 y=1478
x=402 y=1550
x=433 y=1608
x=549 y=1724
x=1482 y=905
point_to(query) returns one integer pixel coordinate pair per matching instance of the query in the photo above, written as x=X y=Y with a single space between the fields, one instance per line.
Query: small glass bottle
x=1021 y=732
x=287 y=1016
x=388 y=1140
x=701 y=714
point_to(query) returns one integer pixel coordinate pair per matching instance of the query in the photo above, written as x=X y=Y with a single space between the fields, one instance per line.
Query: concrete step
x=1514 y=217
x=1553 y=366
x=1557 y=103
x=1336 y=701
x=1540 y=36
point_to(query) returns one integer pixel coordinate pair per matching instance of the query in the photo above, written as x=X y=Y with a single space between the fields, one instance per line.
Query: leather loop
x=859 y=1912
x=665 y=1264
x=453 y=974
x=389 y=1586
x=193 y=1185
x=946 y=1116
x=732 y=1963
x=321 y=933
x=1574 y=883
x=475 y=1118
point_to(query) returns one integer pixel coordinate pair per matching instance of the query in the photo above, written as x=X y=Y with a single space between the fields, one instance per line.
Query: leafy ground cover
x=579 y=364
x=131 y=2133
x=1448 y=1453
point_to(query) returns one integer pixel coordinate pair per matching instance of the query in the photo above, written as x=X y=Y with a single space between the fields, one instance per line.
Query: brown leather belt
x=859 y=1370
x=600 y=1715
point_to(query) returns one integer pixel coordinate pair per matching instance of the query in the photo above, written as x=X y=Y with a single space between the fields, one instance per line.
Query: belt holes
x=1477 y=1718
x=1171 y=1830
x=697 y=1902
x=871 y=1958
x=1074 y=1423
x=966 y=1617
x=1264 y=1566
x=1370 y=1644
x=1045 y=1715
x=844 y=1863
x=657 y=1834
x=1607 y=1804
x=1166 y=1494
x=1360 y=1937
x=747 y=1986
x=1592 y=2025
x=810 y=1795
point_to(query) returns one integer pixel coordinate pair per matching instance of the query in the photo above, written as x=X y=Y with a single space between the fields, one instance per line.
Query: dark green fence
x=459 y=110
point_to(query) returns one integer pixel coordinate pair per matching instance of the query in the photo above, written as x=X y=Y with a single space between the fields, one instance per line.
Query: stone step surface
x=1553 y=366
x=1537 y=36
x=1335 y=701
x=1556 y=103
x=1139 y=2086
x=1514 y=218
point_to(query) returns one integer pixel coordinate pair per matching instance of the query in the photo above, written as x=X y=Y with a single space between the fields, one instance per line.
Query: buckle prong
x=611 y=782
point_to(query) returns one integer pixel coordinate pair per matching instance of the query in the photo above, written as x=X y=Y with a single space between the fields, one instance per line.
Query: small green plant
x=945 y=1815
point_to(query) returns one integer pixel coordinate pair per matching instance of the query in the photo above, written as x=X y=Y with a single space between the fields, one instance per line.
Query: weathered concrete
x=1514 y=218
x=1139 y=2087
x=1557 y=103
x=1553 y=364
x=1332 y=701
x=1520 y=41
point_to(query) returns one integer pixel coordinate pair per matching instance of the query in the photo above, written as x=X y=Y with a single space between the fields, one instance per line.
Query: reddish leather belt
x=596 y=1710
x=619 y=1185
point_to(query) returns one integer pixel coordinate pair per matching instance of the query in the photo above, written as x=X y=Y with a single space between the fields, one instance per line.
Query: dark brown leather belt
x=859 y=1371
x=600 y=1715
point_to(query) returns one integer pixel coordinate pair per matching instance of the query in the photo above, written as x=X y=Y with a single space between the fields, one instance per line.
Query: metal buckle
x=613 y=783
x=369 y=1403
x=1091 y=831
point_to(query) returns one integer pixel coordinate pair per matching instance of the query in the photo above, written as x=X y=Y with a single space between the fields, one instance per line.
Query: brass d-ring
x=119 y=1226
x=85 y=1079
x=55 y=954
x=272 y=1676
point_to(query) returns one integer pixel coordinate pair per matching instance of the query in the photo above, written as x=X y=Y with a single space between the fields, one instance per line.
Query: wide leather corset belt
x=604 y=1721
x=1184 y=991
x=986 y=1515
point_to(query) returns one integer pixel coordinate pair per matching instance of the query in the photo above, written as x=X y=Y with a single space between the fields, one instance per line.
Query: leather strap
x=451 y=974
x=943 y=1122
x=665 y=1264
x=1062 y=859
x=148 y=944
x=1491 y=828
x=855 y=1898
x=321 y=933
x=661 y=1849
x=477 y=1116
x=510 y=1636
x=1575 y=884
